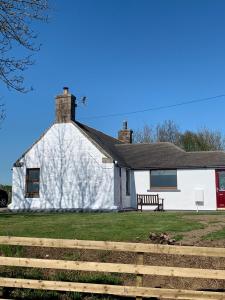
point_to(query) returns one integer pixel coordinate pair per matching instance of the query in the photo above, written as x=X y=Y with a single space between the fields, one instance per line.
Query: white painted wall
x=72 y=174
x=189 y=183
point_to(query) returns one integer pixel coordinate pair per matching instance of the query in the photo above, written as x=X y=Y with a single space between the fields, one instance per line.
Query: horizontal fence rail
x=112 y=268
x=139 y=268
x=113 y=246
x=127 y=291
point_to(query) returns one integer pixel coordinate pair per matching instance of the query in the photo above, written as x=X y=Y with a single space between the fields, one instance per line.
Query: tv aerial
x=78 y=101
x=81 y=102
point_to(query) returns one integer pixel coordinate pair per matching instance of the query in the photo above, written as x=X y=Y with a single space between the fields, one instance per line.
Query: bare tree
x=145 y=135
x=213 y=140
x=2 y=113
x=17 y=18
x=168 y=131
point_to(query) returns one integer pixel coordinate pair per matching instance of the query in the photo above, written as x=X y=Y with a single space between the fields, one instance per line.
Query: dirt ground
x=211 y=224
x=149 y=259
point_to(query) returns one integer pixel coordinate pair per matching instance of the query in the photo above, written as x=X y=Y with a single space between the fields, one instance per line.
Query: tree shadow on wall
x=71 y=174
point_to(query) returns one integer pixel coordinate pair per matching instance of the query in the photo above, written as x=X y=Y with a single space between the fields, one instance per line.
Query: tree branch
x=16 y=20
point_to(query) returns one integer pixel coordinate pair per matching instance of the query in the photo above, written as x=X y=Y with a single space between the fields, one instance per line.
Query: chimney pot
x=124 y=125
x=65 y=90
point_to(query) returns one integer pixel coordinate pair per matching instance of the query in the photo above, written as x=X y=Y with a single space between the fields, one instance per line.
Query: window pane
x=32 y=182
x=33 y=187
x=164 y=172
x=164 y=178
x=33 y=174
x=222 y=181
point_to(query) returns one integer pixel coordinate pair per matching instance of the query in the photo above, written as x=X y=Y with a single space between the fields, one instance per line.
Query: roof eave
x=178 y=167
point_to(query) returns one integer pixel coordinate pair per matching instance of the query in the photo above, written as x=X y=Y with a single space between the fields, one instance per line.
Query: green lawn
x=131 y=226
x=215 y=235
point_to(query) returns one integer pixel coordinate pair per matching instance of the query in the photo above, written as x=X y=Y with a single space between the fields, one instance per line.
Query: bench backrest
x=148 y=199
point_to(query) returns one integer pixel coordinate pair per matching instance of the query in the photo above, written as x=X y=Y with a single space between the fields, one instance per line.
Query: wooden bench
x=152 y=200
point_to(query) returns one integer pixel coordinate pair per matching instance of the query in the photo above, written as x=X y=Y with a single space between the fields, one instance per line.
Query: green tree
x=189 y=141
x=203 y=140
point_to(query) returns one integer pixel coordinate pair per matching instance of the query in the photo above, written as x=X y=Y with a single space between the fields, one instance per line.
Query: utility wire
x=156 y=108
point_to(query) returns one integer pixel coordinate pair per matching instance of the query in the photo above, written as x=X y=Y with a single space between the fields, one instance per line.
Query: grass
x=178 y=237
x=215 y=235
x=131 y=226
x=7 y=250
x=58 y=276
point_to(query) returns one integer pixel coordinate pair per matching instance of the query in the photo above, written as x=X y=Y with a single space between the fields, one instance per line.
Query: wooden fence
x=139 y=269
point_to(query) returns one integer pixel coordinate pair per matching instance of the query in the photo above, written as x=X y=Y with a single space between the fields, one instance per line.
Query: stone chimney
x=65 y=107
x=125 y=135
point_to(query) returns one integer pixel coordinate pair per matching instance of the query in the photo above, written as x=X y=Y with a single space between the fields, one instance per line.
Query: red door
x=220 y=188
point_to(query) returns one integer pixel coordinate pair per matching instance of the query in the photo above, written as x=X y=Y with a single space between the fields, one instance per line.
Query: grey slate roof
x=149 y=156
x=105 y=142
x=154 y=155
x=168 y=156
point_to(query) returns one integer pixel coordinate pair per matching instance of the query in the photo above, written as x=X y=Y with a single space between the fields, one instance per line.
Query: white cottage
x=75 y=167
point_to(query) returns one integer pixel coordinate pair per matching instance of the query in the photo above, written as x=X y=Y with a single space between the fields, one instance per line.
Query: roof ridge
x=79 y=123
x=155 y=144
x=206 y=151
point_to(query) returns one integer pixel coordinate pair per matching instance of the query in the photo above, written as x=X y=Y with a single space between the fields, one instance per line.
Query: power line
x=156 y=108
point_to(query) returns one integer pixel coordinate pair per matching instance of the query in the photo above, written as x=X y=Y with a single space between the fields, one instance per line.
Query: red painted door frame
x=220 y=189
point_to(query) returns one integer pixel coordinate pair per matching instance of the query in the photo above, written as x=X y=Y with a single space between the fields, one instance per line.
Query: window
x=221 y=176
x=128 y=182
x=163 y=179
x=32 y=183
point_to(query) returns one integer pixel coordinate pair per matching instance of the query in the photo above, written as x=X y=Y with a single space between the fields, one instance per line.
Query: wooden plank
x=113 y=267
x=114 y=246
x=139 y=278
x=128 y=291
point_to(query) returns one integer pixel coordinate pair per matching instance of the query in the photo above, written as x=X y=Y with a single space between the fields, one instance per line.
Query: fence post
x=139 y=277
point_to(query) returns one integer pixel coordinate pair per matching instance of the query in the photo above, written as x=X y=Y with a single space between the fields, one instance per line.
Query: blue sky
x=124 y=55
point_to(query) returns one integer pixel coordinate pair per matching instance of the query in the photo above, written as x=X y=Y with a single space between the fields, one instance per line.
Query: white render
x=192 y=185
x=72 y=174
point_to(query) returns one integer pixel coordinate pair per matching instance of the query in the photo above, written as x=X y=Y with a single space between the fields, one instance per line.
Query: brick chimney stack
x=65 y=107
x=125 y=135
